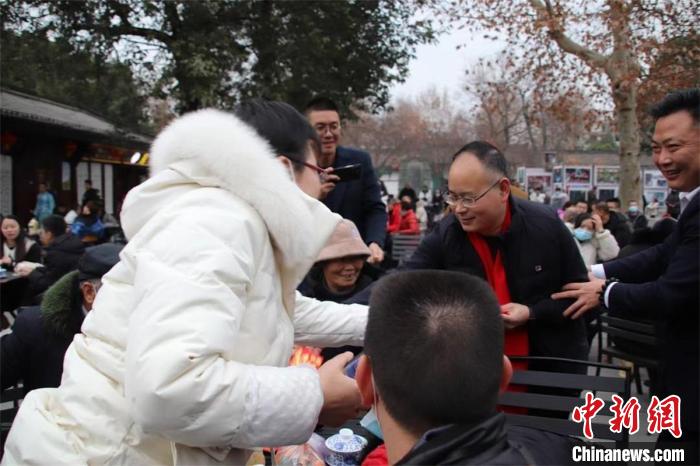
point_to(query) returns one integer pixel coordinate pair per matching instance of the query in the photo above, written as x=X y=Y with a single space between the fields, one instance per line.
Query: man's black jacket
x=33 y=353
x=540 y=257
x=61 y=257
x=620 y=228
x=491 y=442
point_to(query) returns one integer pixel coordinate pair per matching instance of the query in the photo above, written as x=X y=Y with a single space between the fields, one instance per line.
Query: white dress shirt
x=598 y=270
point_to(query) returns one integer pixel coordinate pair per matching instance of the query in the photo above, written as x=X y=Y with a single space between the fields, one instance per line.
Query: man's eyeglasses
x=453 y=200
x=322 y=128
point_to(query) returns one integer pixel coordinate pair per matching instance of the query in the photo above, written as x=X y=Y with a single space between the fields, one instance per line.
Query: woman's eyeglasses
x=315 y=168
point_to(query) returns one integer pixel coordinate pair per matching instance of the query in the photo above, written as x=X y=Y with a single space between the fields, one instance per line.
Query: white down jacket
x=602 y=247
x=182 y=359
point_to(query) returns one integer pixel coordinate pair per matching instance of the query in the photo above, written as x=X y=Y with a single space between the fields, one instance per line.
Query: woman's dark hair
x=580 y=218
x=287 y=131
x=488 y=154
x=20 y=247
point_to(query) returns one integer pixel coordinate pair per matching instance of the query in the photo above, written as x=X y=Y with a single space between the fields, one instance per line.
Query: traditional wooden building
x=62 y=146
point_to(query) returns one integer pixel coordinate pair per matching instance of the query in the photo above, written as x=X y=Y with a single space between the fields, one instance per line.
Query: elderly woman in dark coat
x=341 y=270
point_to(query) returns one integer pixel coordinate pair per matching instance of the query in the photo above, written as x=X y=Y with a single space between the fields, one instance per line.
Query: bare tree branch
x=555 y=30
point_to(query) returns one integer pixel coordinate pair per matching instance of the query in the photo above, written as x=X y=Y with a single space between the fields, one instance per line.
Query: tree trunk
x=545 y=139
x=525 y=109
x=623 y=70
x=625 y=98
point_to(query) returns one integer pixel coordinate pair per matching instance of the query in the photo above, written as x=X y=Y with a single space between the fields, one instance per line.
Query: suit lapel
x=690 y=209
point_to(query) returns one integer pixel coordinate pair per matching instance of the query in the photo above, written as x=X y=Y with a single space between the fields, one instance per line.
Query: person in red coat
x=403 y=219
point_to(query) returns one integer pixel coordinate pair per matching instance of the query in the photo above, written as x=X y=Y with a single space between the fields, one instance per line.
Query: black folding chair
x=630 y=340
x=10 y=399
x=557 y=404
x=403 y=246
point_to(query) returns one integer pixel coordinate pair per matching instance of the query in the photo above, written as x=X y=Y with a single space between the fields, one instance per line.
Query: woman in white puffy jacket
x=182 y=359
x=595 y=242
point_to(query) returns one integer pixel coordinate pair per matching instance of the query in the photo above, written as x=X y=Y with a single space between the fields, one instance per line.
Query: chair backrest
x=633 y=330
x=629 y=340
x=403 y=246
x=8 y=410
x=550 y=411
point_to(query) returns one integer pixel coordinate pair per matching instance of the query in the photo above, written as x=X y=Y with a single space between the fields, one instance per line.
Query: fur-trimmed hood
x=61 y=306
x=212 y=148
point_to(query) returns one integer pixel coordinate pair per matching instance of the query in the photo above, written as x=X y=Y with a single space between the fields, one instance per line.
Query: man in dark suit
x=662 y=281
x=357 y=200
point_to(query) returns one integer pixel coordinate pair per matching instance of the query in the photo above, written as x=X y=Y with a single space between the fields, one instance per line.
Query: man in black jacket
x=61 y=254
x=33 y=352
x=662 y=281
x=536 y=251
x=357 y=200
x=432 y=370
x=614 y=222
x=91 y=194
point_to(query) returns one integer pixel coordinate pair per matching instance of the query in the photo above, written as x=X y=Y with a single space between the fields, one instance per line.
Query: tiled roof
x=24 y=106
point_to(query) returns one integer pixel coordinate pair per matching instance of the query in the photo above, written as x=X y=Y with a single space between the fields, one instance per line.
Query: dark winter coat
x=620 y=228
x=490 y=442
x=60 y=257
x=540 y=257
x=33 y=352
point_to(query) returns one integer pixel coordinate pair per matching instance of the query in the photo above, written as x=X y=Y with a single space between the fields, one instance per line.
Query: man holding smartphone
x=350 y=185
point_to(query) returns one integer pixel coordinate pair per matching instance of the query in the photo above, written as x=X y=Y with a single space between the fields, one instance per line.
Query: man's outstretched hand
x=586 y=294
x=377 y=254
x=341 y=396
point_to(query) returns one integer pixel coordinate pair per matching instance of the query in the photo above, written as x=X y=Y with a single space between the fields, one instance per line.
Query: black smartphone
x=348 y=173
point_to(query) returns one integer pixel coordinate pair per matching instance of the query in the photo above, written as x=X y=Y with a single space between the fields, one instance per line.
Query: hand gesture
x=514 y=315
x=597 y=222
x=341 y=396
x=25 y=268
x=586 y=294
x=328 y=181
x=377 y=254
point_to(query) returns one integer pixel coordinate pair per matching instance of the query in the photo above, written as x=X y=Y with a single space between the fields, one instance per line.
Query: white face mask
x=370 y=420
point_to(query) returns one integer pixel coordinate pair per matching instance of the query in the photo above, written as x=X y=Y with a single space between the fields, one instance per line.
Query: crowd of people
x=258 y=234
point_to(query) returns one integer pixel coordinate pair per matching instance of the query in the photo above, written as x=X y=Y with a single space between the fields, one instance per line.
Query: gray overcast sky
x=442 y=66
